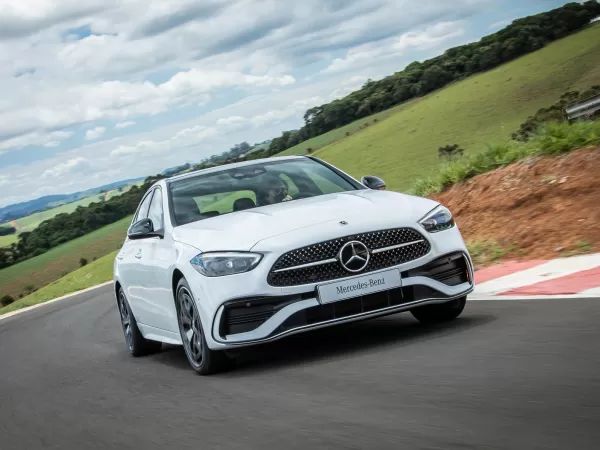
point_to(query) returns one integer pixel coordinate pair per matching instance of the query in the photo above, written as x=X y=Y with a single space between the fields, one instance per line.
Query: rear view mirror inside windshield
x=242 y=173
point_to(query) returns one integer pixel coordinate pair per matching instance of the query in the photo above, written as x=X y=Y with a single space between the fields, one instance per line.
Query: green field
x=93 y=274
x=30 y=222
x=59 y=261
x=483 y=108
x=345 y=132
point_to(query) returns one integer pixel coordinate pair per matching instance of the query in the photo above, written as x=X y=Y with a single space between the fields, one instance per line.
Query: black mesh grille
x=329 y=250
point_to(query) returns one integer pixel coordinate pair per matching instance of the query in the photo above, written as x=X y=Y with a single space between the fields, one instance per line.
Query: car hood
x=316 y=216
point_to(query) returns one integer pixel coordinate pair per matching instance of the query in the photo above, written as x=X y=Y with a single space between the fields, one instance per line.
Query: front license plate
x=355 y=287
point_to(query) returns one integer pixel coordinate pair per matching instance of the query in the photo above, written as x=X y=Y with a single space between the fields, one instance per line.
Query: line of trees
x=523 y=36
x=67 y=226
x=6 y=230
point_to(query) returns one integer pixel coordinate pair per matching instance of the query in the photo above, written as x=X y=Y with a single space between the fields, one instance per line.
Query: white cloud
x=69 y=167
x=40 y=138
x=39 y=108
x=429 y=37
x=94 y=133
x=127 y=123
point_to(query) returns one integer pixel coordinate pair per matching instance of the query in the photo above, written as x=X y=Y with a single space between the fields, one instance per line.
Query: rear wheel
x=202 y=359
x=441 y=312
x=136 y=343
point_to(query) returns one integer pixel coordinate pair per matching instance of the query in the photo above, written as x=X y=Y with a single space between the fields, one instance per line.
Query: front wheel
x=202 y=359
x=441 y=312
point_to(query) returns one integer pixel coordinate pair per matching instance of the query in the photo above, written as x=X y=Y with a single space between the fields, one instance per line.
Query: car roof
x=232 y=166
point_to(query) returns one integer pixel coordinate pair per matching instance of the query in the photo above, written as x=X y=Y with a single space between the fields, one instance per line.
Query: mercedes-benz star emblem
x=354 y=256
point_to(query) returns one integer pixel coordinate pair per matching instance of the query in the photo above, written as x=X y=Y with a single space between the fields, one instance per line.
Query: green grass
x=93 y=274
x=41 y=270
x=345 y=132
x=5 y=241
x=484 y=108
x=487 y=252
x=550 y=139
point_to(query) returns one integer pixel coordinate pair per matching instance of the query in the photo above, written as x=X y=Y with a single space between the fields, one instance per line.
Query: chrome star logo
x=354 y=256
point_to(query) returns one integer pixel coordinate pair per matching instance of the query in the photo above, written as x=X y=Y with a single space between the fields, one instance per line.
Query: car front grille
x=318 y=262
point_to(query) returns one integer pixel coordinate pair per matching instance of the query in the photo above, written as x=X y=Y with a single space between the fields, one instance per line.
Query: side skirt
x=156 y=334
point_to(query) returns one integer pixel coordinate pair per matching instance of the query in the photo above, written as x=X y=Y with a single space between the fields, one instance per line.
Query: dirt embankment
x=543 y=207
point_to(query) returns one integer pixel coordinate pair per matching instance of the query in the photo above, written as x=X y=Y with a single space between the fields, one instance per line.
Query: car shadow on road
x=335 y=342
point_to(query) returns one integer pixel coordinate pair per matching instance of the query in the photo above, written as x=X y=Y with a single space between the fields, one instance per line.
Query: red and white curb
x=577 y=276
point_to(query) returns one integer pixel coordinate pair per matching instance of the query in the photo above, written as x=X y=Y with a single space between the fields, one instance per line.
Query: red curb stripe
x=503 y=269
x=569 y=284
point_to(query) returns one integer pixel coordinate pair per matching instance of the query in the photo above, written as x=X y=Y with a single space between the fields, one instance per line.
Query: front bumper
x=257 y=319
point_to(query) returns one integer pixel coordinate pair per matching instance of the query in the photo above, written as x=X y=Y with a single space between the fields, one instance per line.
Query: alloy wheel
x=190 y=327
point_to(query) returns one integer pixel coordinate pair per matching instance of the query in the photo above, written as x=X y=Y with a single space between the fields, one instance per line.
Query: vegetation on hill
x=484 y=108
x=68 y=226
x=95 y=273
x=523 y=36
x=548 y=139
x=554 y=112
x=28 y=276
x=18 y=210
x=6 y=230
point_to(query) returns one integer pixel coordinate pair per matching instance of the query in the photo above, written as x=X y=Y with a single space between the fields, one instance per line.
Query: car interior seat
x=186 y=210
x=243 y=203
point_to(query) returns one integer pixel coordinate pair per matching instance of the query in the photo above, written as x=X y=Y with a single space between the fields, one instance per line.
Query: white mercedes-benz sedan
x=247 y=253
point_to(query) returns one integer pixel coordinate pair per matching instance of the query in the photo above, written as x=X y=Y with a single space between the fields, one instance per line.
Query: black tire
x=136 y=343
x=441 y=312
x=201 y=359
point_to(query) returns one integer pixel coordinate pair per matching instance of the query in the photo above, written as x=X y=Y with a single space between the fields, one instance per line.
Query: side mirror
x=141 y=229
x=373 y=182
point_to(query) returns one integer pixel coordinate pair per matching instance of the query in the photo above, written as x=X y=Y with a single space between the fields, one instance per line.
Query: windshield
x=261 y=184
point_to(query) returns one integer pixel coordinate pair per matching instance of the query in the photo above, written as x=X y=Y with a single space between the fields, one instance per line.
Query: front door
x=155 y=263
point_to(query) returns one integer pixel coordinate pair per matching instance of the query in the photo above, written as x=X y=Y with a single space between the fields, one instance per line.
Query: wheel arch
x=116 y=287
x=177 y=276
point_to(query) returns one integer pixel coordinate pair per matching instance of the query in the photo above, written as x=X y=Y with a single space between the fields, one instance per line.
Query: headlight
x=218 y=264
x=437 y=220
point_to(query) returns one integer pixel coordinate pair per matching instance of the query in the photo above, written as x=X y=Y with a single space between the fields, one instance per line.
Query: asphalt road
x=506 y=375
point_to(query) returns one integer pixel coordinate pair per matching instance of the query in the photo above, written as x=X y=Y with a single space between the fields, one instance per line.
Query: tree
x=6 y=300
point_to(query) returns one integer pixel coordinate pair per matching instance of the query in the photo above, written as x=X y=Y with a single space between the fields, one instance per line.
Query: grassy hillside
x=30 y=222
x=50 y=266
x=344 y=132
x=483 y=108
x=93 y=274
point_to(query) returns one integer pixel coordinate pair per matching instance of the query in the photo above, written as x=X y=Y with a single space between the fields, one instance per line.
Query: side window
x=143 y=211
x=155 y=212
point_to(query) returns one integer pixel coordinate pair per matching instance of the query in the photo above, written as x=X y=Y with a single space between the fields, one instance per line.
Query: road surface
x=506 y=375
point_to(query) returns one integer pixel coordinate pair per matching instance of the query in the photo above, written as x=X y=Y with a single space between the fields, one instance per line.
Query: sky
x=97 y=91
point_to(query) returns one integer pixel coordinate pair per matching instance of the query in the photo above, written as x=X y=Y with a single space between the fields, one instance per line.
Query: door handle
x=138 y=255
